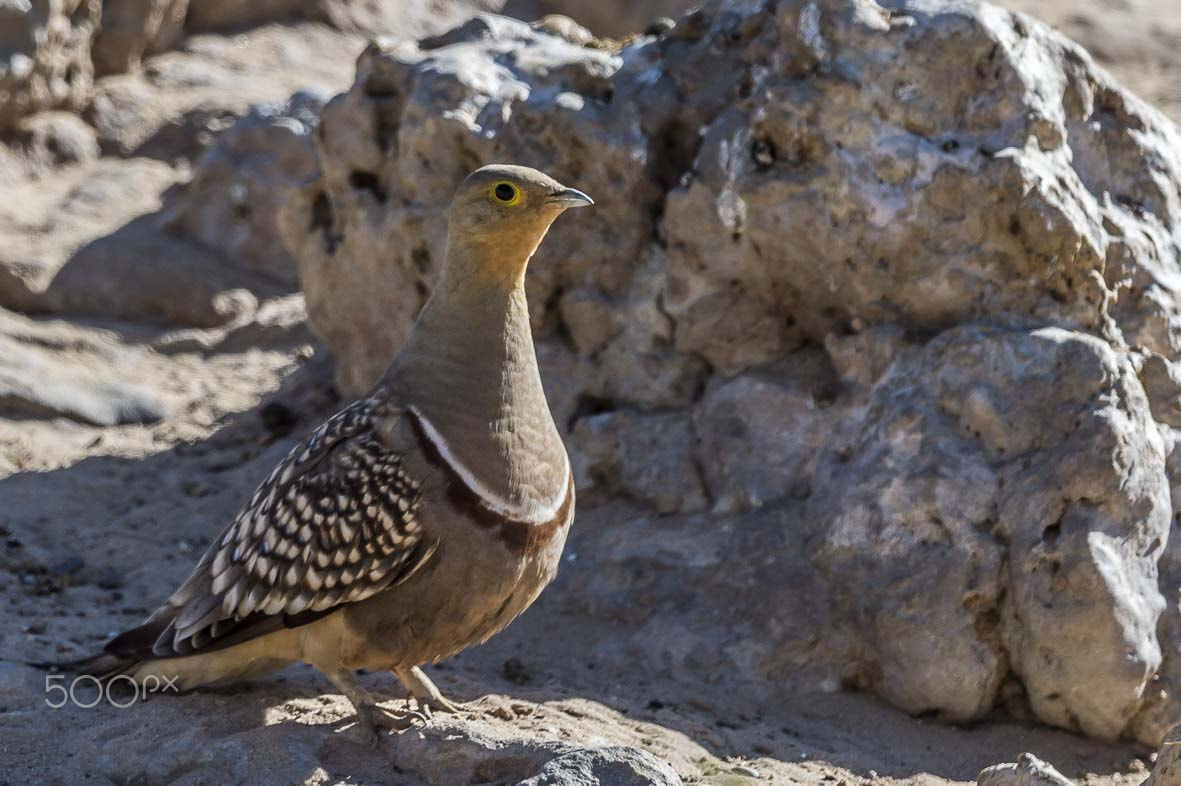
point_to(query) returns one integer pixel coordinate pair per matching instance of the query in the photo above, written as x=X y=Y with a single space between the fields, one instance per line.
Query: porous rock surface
x=44 y=55
x=232 y=201
x=52 y=51
x=881 y=300
x=1167 y=769
x=1029 y=770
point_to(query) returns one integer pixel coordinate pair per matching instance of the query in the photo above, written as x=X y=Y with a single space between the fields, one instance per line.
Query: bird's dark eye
x=506 y=193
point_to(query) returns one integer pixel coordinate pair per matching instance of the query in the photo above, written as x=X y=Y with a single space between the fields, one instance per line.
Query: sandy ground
x=99 y=524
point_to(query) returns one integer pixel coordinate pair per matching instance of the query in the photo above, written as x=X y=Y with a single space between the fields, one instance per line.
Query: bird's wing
x=336 y=522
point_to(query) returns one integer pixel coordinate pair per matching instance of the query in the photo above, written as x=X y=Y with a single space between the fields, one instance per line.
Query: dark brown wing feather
x=336 y=522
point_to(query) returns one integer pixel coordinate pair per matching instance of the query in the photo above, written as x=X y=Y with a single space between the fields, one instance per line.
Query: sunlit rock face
x=865 y=354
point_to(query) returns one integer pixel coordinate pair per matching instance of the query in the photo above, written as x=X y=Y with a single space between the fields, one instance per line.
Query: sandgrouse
x=416 y=522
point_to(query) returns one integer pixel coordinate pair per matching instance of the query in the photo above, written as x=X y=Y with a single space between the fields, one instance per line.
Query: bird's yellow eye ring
x=505 y=193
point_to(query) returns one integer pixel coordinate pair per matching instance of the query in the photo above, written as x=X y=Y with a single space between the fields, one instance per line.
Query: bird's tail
x=103 y=665
x=121 y=655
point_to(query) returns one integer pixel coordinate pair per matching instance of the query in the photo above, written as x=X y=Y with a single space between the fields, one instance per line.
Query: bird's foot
x=442 y=704
x=371 y=719
x=427 y=695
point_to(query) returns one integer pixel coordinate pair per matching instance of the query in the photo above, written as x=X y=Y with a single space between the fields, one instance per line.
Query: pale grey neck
x=469 y=367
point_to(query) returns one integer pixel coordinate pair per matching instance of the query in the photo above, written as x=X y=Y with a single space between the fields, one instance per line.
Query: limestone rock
x=380 y=202
x=1167 y=770
x=56 y=138
x=603 y=766
x=966 y=502
x=477 y=754
x=648 y=457
x=1028 y=771
x=232 y=203
x=1082 y=525
x=917 y=333
x=760 y=435
x=44 y=55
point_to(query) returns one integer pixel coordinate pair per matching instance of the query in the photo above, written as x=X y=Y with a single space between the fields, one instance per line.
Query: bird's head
x=500 y=214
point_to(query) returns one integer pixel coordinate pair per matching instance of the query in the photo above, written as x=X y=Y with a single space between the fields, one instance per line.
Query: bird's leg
x=428 y=694
x=370 y=717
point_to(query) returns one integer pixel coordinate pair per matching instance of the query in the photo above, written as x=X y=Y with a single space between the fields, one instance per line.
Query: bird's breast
x=525 y=527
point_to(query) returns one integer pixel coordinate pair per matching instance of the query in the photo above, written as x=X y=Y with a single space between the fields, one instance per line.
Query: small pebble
x=742 y=769
x=515 y=672
x=660 y=26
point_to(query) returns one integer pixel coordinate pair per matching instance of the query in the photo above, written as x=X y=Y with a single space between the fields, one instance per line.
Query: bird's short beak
x=571 y=197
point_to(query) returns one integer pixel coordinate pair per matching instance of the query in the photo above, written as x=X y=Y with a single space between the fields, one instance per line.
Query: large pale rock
x=1086 y=510
x=231 y=205
x=1029 y=770
x=923 y=328
x=44 y=55
x=1011 y=486
x=378 y=211
x=1167 y=770
x=603 y=766
x=648 y=457
x=756 y=263
x=760 y=433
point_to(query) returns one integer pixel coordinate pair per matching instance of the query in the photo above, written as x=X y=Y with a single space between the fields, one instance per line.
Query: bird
x=418 y=521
